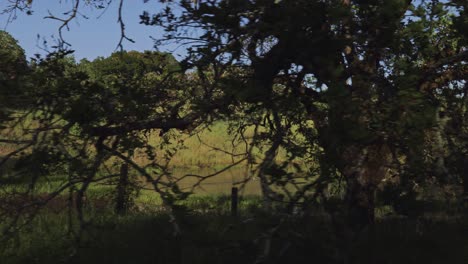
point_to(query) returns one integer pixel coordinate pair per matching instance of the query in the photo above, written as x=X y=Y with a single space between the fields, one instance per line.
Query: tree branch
x=157 y=123
x=123 y=35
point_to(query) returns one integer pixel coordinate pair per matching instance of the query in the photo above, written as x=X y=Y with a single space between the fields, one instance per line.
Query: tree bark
x=364 y=170
x=360 y=203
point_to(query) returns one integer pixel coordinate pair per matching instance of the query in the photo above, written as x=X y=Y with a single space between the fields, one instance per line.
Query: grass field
x=211 y=235
x=200 y=155
x=196 y=151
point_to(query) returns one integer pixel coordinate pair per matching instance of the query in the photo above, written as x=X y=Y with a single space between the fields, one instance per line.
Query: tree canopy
x=369 y=92
x=13 y=66
x=369 y=74
x=12 y=57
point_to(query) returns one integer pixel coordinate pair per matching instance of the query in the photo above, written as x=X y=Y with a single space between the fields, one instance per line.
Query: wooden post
x=121 y=201
x=465 y=184
x=234 y=201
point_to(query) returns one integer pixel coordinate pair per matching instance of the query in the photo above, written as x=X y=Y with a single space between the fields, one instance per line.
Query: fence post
x=121 y=200
x=234 y=201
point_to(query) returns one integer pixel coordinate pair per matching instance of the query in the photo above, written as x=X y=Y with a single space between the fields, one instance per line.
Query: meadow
x=210 y=234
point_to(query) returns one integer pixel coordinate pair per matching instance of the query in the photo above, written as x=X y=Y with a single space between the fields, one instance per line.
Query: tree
x=13 y=57
x=129 y=79
x=371 y=76
x=376 y=66
x=89 y=118
x=13 y=66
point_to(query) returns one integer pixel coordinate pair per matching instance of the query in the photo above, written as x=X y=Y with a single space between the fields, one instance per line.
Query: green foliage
x=372 y=93
x=13 y=67
x=379 y=67
x=12 y=57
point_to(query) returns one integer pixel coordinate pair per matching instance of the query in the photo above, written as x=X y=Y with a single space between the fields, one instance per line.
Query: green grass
x=197 y=151
x=199 y=154
x=212 y=236
x=202 y=150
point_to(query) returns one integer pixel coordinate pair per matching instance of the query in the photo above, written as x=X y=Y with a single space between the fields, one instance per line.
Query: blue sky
x=89 y=37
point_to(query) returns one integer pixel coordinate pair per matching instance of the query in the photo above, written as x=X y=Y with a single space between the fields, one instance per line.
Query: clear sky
x=90 y=37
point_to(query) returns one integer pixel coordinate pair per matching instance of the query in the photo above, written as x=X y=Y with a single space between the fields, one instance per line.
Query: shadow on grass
x=215 y=237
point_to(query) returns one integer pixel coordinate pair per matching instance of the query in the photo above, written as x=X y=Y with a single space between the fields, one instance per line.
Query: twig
x=65 y=21
x=123 y=35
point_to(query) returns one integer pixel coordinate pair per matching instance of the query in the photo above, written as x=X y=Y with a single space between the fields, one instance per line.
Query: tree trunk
x=360 y=201
x=269 y=195
x=365 y=168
